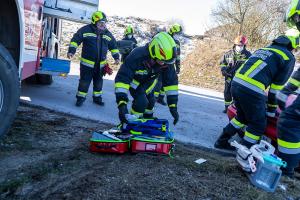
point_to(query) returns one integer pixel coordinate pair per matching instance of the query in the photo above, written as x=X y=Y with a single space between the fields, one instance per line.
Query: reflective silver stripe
x=234 y=125
x=134 y=84
x=89 y=35
x=288 y=151
x=172 y=92
x=248 y=139
x=257 y=69
x=273 y=91
x=281 y=96
x=121 y=90
x=248 y=85
x=86 y=64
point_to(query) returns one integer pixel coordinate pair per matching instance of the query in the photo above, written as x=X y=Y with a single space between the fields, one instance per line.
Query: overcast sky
x=195 y=14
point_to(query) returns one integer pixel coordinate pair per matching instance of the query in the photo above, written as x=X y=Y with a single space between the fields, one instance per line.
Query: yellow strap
x=122 y=85
x=172 y=106
x=171 y=87
x=289 y=145
x=87 y=61
x=151 y=87
x=294 y=82
x=74 y=44
x=283 y=55
x=122 y=102
x=276 y=87
x=114 y=50
x=250 y=135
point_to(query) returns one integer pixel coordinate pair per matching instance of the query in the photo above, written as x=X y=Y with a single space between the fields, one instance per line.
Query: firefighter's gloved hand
x=174 y=113
x=117 y=61
x=107 y=70
x=281 y=100
x=70 y=55
x=223 y=70
x=122 y=113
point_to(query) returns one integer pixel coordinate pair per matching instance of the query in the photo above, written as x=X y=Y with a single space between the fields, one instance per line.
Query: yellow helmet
x=293 y=14
x=129 y=30
x=98 y=16
x=163 y=48
x=175 y=28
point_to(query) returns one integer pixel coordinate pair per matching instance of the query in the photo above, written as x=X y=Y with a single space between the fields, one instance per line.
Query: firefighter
x=139 y=74
x=96 y=40
x=288 y=126
x=230 y=62
x=159 y=93
x=268 y=67
x=129 y=35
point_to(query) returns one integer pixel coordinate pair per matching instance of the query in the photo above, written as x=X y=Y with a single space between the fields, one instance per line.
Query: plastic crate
x=54 y=66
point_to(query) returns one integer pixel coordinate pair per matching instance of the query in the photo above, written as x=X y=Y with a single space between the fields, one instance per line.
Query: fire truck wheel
x=9 y=90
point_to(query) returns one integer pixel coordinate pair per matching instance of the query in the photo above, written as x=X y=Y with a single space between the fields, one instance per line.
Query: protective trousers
x=227 y=92
x=251 y=111
x=159 y=90
x=87 y=74
x=288 y=128
x=143 y=103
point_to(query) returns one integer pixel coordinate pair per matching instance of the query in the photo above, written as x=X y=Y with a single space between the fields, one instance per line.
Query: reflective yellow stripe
x=122 y=102
x=294 y=82
x=103 y=62
x=172 y=106
x=171 y=87
x=276 y=87
x=151 y=87
x=237 y=123
x=135 y=113
x=87 y=61
x=273 y=105
x=135 y=132
x=289 y=145
x=251 y=81
x=223 y=65
x=98 y=92
x=114 y=50
x=106 y=37
x=89 y=34
x=74 y=44
x=122 y=85
x=253 y=67
x=250 y=135
x=283 y=55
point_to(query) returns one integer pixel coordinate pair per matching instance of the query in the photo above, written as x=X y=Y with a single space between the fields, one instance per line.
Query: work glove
x=174 y=113
x=281 y=99
x=117 y=61
x=70 y=55
x=107 y=70
x=122 y=112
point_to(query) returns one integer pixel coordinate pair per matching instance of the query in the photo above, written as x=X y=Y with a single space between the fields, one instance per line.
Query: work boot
x=223 y=140
x=225 y=110
x=161 y=100
x=98 y=101
x=79 y=101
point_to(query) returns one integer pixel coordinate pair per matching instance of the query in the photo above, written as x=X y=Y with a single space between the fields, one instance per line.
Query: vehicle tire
x=9 y=90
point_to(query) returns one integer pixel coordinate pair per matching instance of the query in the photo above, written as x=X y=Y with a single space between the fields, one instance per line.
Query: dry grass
x=201 y=67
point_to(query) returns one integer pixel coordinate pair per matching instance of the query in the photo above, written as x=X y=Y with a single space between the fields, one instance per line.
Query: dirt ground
x=45 y=156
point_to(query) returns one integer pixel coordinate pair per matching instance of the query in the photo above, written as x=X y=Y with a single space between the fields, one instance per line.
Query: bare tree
x=260 y=20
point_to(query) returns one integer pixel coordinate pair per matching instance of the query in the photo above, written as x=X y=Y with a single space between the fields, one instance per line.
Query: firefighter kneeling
x=268 y=67
x=139 y=74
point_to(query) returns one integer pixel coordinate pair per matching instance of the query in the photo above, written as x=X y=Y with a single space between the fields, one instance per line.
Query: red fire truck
x=31 y=30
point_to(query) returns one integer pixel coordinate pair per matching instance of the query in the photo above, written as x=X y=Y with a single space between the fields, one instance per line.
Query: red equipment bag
x=108 y=143
x=154 y=144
